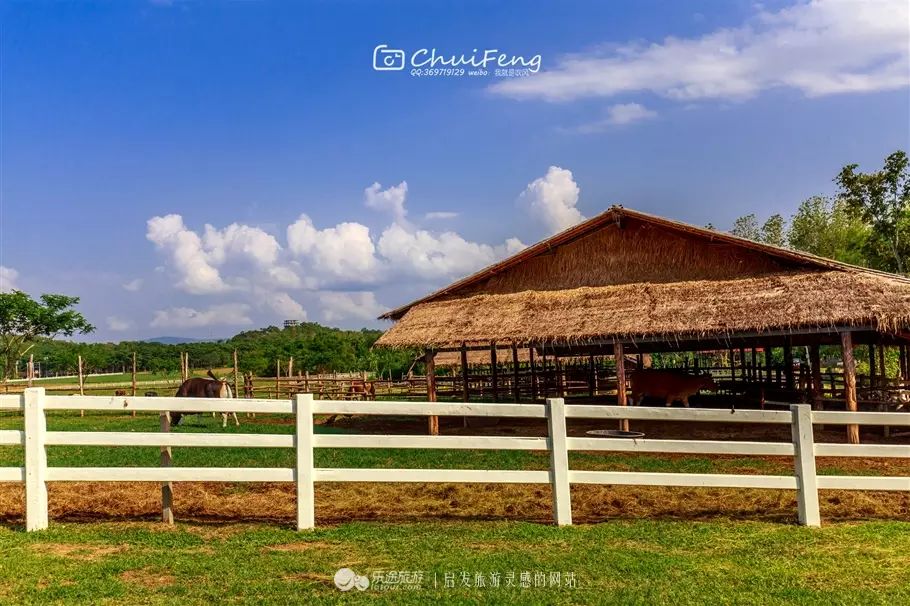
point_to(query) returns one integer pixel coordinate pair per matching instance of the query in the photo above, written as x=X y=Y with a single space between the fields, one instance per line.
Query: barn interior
x=771 y=325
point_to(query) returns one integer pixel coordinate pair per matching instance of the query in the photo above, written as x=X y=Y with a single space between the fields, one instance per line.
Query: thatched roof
x=478 y=357
x=626 y=275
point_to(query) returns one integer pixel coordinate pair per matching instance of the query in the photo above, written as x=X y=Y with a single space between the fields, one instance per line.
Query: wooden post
x=533 y=363
x=816 y=374
x=465 y=377
x=306 y=381
x=559 y=461
x=788 y=364
x=872 y=373
x=133 y=375
x=303 y=441
x=592 y=379
x=236 y=375
x=133 y=381
x=167 y=488
x=494 y=370
x=732 y=370
x=30 y=370
x=81 y=384
x=430 y=362
x=882 y=371
x=769 y=362
x=619 y=356
x=560 y=379
x=901 y=363
x=804 y=465
x=36 y=517
x=516 y=392
x=81 y=380
x=846 y=339
x=743 y=365
x=277 y=377
x=290 y=367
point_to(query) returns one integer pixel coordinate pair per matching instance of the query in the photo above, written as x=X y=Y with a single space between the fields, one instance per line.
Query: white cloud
x=619 y=115
x=226 y=314
x=821 y=47
x=8 y=279
x=440 y=215
x=552 y=198
x=434 y=256
x=387 y=200
x=241 y=241
x=338 y=306
x=118 y=324
x=345 y=251
x=197 y=274
x=133 y=285
x=281 y=304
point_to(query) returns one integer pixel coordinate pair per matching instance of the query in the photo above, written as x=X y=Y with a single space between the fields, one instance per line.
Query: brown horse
x=200 y=387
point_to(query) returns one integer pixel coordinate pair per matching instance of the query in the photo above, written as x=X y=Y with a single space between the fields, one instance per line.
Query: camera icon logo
x=387 y=59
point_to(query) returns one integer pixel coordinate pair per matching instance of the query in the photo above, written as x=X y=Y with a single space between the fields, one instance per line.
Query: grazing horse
x=200 y=387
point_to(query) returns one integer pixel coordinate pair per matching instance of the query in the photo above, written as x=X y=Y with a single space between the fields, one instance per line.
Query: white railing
x=36 y=473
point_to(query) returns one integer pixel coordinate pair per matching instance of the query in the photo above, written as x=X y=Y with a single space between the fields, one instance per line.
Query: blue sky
x=128 y=127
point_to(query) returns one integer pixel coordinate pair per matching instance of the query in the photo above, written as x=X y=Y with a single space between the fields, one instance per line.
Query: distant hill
x=173 y=340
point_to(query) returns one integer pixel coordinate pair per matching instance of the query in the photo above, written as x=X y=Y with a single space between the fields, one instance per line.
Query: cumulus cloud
x=118 y=324
x=343 y=251
x=8 y=279
x=226 y=314
x=551 y=199
x=184 y=246
x=821 y=47
x=431 y=256
x=324 y=263
x=338 y=306
x=133 y=285
x=389 y=200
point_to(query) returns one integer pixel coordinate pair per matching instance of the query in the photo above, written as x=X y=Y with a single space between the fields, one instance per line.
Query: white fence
x=36 y=473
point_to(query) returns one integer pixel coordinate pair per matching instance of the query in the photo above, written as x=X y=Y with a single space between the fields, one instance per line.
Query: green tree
x=747 y=227
x=882 y=200
x=827 y=228
x=23 y=321
x=774 y=231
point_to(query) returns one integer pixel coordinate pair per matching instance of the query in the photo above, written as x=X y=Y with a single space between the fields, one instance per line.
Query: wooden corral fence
x=36 y=473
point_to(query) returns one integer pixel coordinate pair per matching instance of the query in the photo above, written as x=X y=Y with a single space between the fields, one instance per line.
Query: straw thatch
x=680 y=309
x=447 y=359
x=627 y=275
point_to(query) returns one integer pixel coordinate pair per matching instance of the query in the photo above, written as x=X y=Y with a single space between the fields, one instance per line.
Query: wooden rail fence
x=36 y=473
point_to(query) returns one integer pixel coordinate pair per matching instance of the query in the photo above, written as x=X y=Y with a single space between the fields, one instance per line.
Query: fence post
x=559 y=462
x=804 y=463
x=167 y=488
x=35 y=459
x=306 y=500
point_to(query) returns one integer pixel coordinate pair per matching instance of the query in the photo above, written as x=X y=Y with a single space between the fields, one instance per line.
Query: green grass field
x=612 y=563
x=621 y=561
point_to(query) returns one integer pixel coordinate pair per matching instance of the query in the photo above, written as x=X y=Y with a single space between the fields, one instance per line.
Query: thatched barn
x=629 y=282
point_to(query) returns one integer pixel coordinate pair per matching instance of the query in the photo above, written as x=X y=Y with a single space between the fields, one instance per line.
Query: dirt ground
x=342 y=502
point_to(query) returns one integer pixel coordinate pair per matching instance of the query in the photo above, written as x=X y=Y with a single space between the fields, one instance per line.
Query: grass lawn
x=643 y=562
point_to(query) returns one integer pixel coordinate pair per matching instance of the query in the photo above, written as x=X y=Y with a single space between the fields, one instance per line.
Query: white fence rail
x=36 y=473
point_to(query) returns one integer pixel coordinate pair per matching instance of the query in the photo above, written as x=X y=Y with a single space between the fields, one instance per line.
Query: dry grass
x=693 y=309
x=149 y=578
x=338 y=503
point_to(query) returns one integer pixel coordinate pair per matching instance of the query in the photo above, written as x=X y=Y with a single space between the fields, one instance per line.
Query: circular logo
x=346 y=579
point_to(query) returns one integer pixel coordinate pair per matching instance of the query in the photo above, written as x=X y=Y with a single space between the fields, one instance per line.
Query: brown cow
x=668 y=385
x=200 y=387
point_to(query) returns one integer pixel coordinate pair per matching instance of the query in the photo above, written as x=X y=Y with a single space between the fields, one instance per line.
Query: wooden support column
x=465 y=377
x=882 y=370
x=816 y=374
x=430 y=362
x=769 y=363
x=31 y=369
x=592 y=377
x=277 y=377
x=788 y=364
x=516 y=392
x=290 y=367
x=743 y=366
x=901 y=363
x=533 y=363
x=621 y=400
x=846 y=340
x=872 y=373
x=732 y=371
x=81 y=380
x=494 y=370
x=236 y=374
